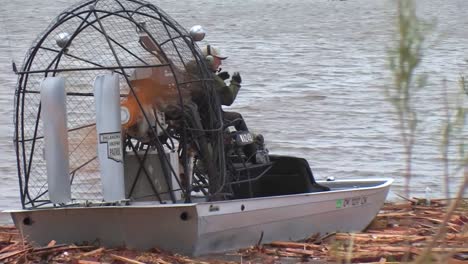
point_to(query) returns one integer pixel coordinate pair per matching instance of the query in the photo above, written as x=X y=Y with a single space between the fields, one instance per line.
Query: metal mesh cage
x=97 y=37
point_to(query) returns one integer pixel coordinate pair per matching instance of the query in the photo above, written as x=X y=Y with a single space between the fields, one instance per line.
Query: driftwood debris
x=398 y=234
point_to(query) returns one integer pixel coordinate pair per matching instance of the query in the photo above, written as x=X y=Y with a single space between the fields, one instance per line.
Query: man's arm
x=227 y=93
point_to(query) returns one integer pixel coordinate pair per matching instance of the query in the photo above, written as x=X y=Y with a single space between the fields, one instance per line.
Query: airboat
x=120 y=141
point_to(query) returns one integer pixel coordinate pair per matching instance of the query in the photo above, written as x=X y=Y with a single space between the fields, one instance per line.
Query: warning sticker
x=114 y=145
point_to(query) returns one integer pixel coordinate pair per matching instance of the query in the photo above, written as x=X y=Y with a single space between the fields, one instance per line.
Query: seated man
x=226 y=93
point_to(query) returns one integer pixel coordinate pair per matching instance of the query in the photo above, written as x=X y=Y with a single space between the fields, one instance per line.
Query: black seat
x=288 y=175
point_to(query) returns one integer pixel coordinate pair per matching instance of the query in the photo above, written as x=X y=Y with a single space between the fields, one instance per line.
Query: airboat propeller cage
x=157 y=69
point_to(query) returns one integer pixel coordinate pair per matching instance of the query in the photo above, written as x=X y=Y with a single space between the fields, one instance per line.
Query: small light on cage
x=62 y=39
x=197 y=33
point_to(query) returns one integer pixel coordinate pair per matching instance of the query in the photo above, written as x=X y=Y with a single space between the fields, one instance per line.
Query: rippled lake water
x=313 y=79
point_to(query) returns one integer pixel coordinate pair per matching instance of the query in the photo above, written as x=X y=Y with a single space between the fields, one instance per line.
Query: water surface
x=313 y=78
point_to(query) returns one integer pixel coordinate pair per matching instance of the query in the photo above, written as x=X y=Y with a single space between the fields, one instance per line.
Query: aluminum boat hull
x=210 y=227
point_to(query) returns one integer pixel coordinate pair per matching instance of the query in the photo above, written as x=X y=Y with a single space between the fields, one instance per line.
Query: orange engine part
x=152 y=94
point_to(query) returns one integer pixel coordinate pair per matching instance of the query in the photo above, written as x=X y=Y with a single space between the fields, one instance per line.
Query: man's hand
x=236 y=77
x=224 y=75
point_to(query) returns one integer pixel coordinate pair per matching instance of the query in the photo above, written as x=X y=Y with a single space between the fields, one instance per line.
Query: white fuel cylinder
x=110 y=150
x=54 y=118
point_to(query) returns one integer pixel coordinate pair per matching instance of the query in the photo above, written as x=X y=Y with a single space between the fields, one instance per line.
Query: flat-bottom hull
x=209 y=227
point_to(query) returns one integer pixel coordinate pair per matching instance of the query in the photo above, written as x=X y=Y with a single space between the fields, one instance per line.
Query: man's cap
x=213 y=51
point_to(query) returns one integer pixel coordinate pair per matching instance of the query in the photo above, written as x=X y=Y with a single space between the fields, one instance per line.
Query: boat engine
x=245 y=147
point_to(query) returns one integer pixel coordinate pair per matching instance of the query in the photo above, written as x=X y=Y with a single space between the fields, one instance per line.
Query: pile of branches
x=14 y=249
x=400 y=233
